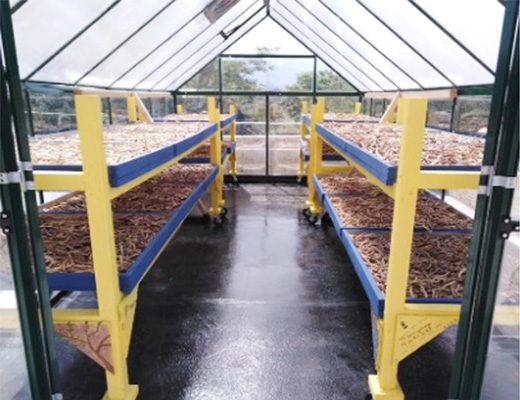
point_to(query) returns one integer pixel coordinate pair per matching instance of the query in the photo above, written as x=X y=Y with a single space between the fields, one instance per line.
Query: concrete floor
x=266 y=307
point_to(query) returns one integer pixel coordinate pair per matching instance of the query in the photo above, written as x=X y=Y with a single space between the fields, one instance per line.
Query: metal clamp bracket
x=507 y=226
x=6 y=178
x=5 y=222
x=507 y=182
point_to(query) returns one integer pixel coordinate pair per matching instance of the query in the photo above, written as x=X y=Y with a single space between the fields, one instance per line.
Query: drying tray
x=225 y=119
x=126 y=171
x=375 y=296
x=204 y=160
x=382 y=170
x=128 y=280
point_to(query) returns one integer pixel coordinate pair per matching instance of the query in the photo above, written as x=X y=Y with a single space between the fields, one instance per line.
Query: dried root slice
x=122 y=142
x=67 y=247
x=437 y=266
x=331 y=116
x=439 y=148
x=192 y=173
x=377 y=212
x=351 y=184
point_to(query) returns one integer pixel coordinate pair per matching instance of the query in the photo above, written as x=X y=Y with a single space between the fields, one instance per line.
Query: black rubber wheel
x=326 y=220
x=306 y=212
x=369 y=397
x=313 y=219
x=218 y=220
x=223 y=211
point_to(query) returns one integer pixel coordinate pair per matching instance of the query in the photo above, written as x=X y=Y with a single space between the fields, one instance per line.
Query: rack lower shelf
x=129 y=279
x=375 y=296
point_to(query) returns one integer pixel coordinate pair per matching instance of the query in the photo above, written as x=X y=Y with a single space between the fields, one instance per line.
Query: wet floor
x=266 y=307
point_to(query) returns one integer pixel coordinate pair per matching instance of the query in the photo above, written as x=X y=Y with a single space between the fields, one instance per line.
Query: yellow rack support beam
x=449 y=179
x=58 y=180
x=316 y=155
x=179 y=109
x=358 y=107
x=217 y=186
x=131 y=109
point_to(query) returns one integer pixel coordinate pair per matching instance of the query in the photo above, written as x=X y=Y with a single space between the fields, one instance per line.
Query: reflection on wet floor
x=265 y=307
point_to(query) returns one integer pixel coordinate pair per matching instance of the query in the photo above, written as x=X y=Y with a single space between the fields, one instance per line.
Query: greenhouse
x=259 y=199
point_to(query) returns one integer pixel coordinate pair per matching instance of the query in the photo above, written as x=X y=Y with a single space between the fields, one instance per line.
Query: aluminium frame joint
x=5 y=222
x=508 y=226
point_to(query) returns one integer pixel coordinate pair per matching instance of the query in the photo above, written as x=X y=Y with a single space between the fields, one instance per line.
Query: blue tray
x=374 y=294
x=226 y=121
x=131 y=277
x=119 y=174
x=385 y=172
x=206 y=160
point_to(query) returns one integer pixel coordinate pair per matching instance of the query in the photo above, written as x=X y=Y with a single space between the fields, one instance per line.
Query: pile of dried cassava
x=437 y=266
x=350 y=184
x=66 y=240
x=182 y=173
x=122 y=142
x=204 y=150
x=331 y=116
x=377 y=212
x=439 y=148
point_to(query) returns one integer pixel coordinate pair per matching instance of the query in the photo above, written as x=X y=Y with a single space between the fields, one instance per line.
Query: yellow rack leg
x=131 y=106
x=216 y=187
x=100 y=219
x=316 y=155
x=384 y=385
x=180 y=109
x=358 y=107
x=233 y=137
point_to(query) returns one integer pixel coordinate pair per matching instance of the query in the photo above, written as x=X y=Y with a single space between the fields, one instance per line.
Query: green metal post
x=22 y=145
x=475 y=292
x=220 y=85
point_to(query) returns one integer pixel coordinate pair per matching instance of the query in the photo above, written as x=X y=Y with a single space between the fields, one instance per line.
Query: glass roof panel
x=373 y=55
x=200 y=63
x=430 y=41
x=476 y=23
x=140 y=45
x=37 y=33
x=100 y=40
x=198 y=43
x=268 y=35
x=322 y=29
x=368 y=26
x=321 y=47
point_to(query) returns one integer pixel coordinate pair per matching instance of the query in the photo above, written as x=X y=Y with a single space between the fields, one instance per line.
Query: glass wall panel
x=267 y=74
x=472 y=113
x=340 y=104
x=251 y=150
x=284 y=134
x=439 y=113
x=52 y=112
x=329 y=81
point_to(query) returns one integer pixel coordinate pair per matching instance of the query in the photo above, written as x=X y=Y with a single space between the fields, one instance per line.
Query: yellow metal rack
x=405 y=327
x=115 y=311
x=304 y=127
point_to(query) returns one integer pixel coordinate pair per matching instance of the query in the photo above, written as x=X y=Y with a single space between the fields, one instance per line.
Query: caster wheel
x=313 y=219
x=326 y=220
x=369 y=397
x=223 y=211
x=218 y=220
x=306 y=212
